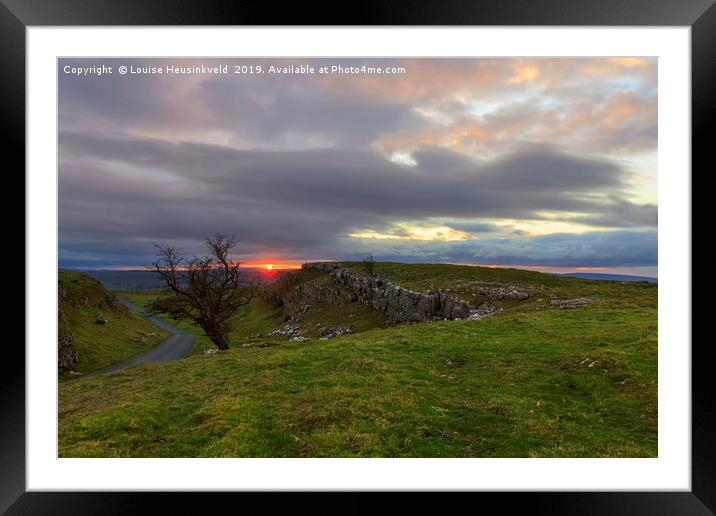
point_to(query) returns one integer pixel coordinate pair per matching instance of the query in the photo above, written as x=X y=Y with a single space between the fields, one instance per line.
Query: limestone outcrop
x=396 y=303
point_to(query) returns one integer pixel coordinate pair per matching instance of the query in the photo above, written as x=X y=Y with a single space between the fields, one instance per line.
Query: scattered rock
x=591 y=363
x=67 y=357
x=210 y=351
x=494 y=290
x=564 y=304
x=298 y=338
x=508 y=292
x=329 y=333
x=286 y=331
x=298 y=311
x=101 y=319
x=481 y=312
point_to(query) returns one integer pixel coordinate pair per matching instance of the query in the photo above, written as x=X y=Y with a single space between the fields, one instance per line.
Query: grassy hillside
x=529 y=381
x=254 y=322
x=466 y=282
x=81 y=300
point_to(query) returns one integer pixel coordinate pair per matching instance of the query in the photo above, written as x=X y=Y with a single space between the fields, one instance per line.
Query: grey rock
x=396 y=303
x=67 y=357
x=329 y=333
x=286 y=331
x=564 y=304
x=482 y=311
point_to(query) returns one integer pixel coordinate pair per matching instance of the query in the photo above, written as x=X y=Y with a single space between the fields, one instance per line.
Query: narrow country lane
x=177 y=346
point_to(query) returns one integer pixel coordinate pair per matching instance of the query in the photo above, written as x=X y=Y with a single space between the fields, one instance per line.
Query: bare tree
x=206 y=290
x=369 y=265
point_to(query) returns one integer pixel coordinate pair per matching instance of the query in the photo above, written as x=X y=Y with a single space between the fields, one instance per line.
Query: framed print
x=445 y=248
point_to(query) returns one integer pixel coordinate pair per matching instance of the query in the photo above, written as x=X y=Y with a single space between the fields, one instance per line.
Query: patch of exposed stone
x=494 y=290
x=565 y=304
x=286 y=331
x=67 y=357
x=482 y=311
x=294 y=334
x=299 y=299
x=143 y=336
x=325 y=333
x=296 y=310
x=396 y=303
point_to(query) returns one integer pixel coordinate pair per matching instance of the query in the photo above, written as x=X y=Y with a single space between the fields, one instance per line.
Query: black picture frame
x=17 y=15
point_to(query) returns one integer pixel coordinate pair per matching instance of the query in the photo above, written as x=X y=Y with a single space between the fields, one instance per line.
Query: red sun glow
x=271 y=266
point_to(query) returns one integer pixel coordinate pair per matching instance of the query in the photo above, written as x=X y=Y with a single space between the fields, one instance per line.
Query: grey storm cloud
x=597 y=249
x=295 y=164
x=600 y=249
x=300 y=202
x=302 y=110
x=441 y=184
x=260 y=110
x=619 y=212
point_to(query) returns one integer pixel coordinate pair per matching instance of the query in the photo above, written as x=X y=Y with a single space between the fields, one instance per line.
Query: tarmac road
x=175 y=347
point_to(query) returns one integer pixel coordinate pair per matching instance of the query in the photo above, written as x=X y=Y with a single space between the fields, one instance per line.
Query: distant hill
x=138 y=279
x=612 y=277
x=127 y=280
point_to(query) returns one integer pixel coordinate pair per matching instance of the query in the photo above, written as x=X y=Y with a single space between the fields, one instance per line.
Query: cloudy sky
x=548 y=163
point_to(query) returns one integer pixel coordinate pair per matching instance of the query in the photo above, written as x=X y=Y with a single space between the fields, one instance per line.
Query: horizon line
x=295 y=266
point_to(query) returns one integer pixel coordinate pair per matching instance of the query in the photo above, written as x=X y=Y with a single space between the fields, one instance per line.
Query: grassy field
x=124 y=335
x=253 y=322
x=529 y=381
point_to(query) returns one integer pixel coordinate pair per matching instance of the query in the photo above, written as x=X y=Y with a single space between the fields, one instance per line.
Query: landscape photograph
x=357 y=257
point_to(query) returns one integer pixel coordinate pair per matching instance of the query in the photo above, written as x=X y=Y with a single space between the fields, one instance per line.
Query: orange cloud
x=523 y=74
x=627 y=109
x=582 y=125
x=459 y=136
x=631 y=62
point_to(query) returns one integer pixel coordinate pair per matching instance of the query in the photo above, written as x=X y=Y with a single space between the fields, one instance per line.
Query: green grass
x=462 y=281
x=530 y=381
x=252 y=322
x=123 y=336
